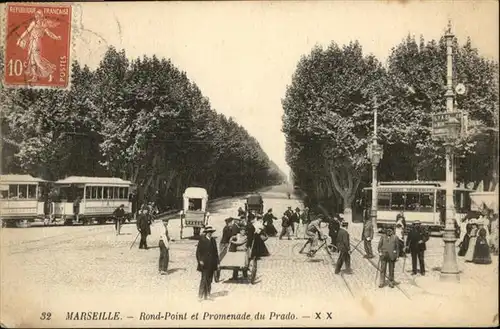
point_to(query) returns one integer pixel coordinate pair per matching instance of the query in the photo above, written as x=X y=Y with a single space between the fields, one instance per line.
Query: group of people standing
x=480 y=239
x=393 y=245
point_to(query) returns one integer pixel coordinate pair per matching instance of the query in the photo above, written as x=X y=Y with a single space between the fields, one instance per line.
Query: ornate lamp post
x=449 y=270
x=375 y=153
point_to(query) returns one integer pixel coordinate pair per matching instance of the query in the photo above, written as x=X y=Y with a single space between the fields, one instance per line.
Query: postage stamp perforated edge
x=75 y=20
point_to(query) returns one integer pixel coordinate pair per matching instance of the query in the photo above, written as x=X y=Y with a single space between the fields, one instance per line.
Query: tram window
x=108 y=192
x=122 y=193
x=125 y=192
x=99 y=192
x=412 y=201
x=13 y=191
x=116 y=193
x=4 y=194
x=427 y=202
x=384 y=201
x=23 y=191
x=94 y=192
x=397 y=201
x=31 y=191
x=88 y=192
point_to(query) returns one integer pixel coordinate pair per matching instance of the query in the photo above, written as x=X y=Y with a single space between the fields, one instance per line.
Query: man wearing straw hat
x=208 y=259
x=388 y=248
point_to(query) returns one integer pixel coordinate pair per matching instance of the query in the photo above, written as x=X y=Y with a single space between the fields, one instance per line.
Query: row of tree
x=141 y=120
x=328 y=117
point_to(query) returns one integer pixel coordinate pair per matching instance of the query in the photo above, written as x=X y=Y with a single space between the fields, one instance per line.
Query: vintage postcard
x=249 y=164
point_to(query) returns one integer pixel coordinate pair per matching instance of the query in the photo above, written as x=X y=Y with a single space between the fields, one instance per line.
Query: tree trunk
x=346 y=184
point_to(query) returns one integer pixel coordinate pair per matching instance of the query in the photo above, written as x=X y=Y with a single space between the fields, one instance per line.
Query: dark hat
x=229 y=219
x=270 y=209
x=389 y=229
x=297 y=209
x=289 y=207
x=416 y=222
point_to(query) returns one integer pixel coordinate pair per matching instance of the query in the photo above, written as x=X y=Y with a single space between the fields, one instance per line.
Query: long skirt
x=469 y=255
x=482 y=252
x=259 y=247
x=464 y=245
x=270 y=229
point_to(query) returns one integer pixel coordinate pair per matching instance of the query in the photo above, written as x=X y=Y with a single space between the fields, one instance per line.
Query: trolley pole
x=449 y=270
x=375 y=153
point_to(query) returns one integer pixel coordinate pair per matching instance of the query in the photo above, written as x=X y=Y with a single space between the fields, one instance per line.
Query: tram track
x=375 y=265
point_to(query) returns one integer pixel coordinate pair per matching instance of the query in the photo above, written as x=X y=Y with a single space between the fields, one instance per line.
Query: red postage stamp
x=37 y=45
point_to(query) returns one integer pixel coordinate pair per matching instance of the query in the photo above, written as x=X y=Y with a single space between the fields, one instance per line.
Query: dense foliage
x=142 y=120
x=328 y=117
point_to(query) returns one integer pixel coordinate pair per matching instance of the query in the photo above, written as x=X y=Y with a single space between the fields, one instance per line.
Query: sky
x=242 y=55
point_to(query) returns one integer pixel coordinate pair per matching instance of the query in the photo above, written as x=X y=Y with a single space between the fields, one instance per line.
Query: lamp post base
x=449 y=271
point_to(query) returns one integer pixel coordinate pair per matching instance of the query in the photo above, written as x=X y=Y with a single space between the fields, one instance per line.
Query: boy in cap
x=207 y=258
x=388 y=248
x=164 y=254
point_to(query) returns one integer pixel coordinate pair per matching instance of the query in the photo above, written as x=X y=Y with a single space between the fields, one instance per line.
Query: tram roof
x=11 y=178
x=94 y=180
x=414 y=187
x=195 y=192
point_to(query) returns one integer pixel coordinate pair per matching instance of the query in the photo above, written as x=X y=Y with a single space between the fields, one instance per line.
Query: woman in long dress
x=400 y=232
x=464 y=245
x=482 y=249
x=469 y=255
x=38 y=66
x=254 y=230
x=268 y=219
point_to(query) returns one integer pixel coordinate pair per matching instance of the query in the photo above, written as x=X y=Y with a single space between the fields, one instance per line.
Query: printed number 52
x=45 y=316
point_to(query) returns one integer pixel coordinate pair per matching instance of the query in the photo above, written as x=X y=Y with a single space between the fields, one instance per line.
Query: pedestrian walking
x=268 y=219
x=299 y=226
x=333 y=230
x=388 y=248
x=164 y=245
x=144 y=227
x=118 y=215
x=305 y=220
x=343 y=246
x=368 y=237
x=415 y=244
x=295 y=220
x=285 y=227
x=207 y=258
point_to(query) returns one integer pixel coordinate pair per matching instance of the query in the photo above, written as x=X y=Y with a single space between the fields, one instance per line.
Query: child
x=164 y=254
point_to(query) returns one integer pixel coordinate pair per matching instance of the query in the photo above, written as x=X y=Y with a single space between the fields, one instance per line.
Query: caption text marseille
x=176 y=316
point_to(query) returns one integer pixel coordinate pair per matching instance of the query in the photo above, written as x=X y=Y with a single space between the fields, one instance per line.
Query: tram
x=80 y=199
x=23 y=200
x=423 y=201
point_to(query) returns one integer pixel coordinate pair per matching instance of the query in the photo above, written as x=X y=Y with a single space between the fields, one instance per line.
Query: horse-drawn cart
x=240 y=259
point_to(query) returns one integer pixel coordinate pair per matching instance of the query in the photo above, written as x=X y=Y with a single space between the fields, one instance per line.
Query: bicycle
x=312 y=253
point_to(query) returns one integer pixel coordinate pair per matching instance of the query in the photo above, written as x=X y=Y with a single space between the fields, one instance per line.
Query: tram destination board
x=439 y=120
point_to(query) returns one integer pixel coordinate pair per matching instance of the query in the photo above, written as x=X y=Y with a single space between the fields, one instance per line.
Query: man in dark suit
x=415 y=244
x=207 y=258
x=143 y=226
x=388 y=248
x=343 y=246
